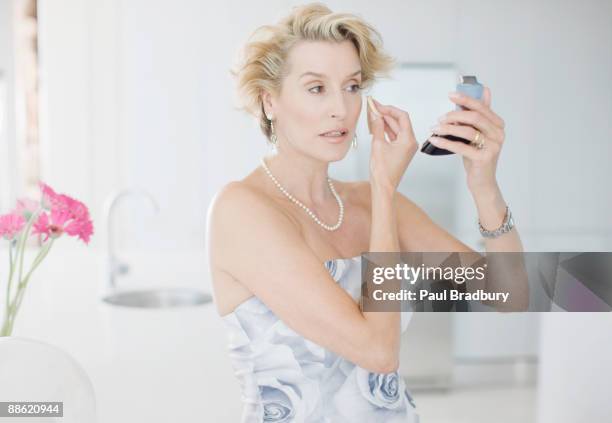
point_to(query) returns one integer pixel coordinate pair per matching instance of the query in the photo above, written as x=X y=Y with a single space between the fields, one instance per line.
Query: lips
x=338 y=132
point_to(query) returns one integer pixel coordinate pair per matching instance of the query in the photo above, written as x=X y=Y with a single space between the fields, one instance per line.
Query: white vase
x=32 y=370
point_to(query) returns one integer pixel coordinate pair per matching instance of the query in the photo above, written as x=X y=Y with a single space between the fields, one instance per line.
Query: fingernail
x=442 y=118
x=454 y=94
x=435 y=128
x=433 y=140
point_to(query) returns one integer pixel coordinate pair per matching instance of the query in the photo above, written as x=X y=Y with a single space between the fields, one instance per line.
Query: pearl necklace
x=310 y=212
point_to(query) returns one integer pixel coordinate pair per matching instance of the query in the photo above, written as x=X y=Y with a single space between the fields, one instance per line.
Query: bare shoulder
x=235 y=214
x=236 y=192
x=239 y=197
x=237 y=202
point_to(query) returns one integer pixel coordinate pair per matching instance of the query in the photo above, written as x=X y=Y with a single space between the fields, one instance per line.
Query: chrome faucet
x=115 y=266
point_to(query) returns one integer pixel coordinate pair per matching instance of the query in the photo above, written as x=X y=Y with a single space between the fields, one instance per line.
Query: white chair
x=32 y=370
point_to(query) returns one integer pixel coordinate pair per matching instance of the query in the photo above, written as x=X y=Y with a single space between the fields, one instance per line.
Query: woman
x=285 y=241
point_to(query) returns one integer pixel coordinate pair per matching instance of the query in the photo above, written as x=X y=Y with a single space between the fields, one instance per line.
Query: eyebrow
x=320 y=75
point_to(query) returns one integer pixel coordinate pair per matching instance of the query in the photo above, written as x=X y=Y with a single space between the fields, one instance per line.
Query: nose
x=338 y=105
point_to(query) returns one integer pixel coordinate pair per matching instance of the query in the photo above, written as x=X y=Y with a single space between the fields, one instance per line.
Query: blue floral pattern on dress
x=287 y=378
x=276 y=404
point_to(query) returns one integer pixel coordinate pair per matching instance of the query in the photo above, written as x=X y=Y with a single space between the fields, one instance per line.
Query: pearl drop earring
x=273 y=137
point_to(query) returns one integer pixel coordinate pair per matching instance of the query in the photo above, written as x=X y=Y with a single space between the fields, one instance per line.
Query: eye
x=356 y=87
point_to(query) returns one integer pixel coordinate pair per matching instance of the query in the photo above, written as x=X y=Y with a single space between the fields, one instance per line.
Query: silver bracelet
x=506 y=226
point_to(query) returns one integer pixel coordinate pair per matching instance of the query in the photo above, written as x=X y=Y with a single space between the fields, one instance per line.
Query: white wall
x=575 y=368
x=7 y=108
x=571 y=206
x=125 y=98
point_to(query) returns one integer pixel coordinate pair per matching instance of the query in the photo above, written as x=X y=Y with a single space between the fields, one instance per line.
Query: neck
x=303 y=177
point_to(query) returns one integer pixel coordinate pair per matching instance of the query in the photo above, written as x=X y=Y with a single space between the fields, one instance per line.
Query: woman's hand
x=480 y=164
x=389 y=159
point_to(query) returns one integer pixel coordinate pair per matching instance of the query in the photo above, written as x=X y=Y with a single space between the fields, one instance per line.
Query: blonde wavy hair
x=262 y=65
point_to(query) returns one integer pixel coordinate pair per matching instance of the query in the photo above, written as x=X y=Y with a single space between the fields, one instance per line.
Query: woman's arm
x=477 y=120
x=418 y=232
x=491 y=212
x=251 y=239
x=384 y=238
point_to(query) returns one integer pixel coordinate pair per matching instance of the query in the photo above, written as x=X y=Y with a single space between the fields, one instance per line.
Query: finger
x=377 y=127
x=400 y=115
x=463 y=131
x=373 y=112
x=486 y=96
x=477 y=105
x=475 y=119
x=392 y=122
x=456 y=147
x=392 y=127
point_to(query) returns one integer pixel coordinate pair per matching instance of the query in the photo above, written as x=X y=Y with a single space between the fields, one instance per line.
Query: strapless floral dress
x=287 y=378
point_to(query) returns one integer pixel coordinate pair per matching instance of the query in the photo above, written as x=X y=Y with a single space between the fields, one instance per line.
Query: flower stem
x=6 y=317
x=22 y=241
x=23 y=283
x=10 y=311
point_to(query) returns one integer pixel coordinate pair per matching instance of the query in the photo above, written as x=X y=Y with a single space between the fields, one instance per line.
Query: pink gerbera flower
x=11 y=224
x=66 y=215
x=50 y=199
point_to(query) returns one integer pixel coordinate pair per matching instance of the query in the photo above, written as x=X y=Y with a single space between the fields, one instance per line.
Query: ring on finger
x=480 y=145
x=479 y=136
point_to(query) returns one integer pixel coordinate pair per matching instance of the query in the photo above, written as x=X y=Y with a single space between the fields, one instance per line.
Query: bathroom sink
x=158 y=298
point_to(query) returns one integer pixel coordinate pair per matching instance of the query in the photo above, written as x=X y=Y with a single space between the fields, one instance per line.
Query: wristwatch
x=506 y=226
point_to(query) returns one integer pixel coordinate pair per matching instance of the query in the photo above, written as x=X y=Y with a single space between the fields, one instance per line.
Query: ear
x=268 y=106
x=486 y=96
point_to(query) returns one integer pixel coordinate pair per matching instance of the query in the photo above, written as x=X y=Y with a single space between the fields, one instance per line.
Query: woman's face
x=321 y=93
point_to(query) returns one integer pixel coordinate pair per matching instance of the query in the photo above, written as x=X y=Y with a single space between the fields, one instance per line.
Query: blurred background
x=105 y=95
